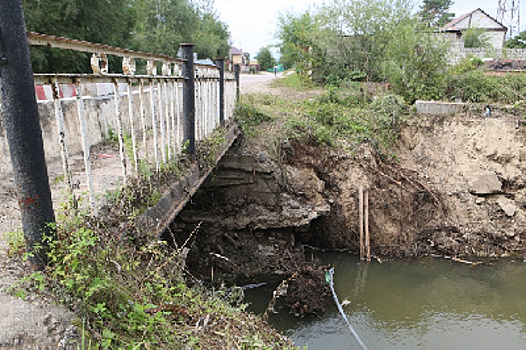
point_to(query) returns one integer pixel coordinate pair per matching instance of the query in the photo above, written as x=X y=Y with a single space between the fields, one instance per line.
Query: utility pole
x=24 y=135
x=509 y=14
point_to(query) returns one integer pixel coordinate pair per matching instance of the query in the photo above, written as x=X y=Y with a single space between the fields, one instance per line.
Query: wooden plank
x=367 y=236
x=360 y=199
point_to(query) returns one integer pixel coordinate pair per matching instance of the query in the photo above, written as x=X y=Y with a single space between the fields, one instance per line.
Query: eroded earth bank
x=455 y=188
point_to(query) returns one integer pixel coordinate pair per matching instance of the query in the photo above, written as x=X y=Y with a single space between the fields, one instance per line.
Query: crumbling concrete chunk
x=507 y=206
x=486 y=184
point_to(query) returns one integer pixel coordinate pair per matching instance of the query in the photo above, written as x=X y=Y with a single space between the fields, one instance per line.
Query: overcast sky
x=253 y=23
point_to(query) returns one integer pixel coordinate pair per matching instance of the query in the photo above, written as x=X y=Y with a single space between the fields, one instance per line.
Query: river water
x=422 y=304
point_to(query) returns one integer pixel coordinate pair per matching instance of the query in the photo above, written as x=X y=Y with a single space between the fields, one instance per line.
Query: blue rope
x=340 y=308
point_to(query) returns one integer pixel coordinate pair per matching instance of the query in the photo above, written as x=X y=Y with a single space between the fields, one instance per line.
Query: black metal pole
x=24 y=135
x=237 y=71
x=220 y=63
x=189 y=98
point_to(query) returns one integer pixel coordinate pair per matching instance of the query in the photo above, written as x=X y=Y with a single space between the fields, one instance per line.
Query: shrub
x=248 y=115
x=339 y=117
x=477 y=87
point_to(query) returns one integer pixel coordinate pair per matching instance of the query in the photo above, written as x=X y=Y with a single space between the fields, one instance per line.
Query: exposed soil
x=455 y=189
x=477 y=165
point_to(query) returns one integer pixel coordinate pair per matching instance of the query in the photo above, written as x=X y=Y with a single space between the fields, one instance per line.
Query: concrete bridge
x=100 y=130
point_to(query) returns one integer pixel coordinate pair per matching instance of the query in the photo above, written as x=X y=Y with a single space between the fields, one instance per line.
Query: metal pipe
x=132 y=127
x=179 y=119
x=168 y=119
x=59 y=115
x=189 y=98
x=161 y=121
x=173 y=144
x=143 y=118
x=24 y=134
x=237 y=71
x=58 y=42
x=85 y=145
x=154 y=125
x=208 y=104
x=67 y=78
x=120 y=132
x=198 y=112
x=220 y=62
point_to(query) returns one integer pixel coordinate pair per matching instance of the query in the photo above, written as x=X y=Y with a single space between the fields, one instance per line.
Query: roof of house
x=235 y=51
x=453 y=25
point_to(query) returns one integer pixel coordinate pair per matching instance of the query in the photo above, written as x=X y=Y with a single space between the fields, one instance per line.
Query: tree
x=415 y=63
x=434 y=12
x=102 y=21
x=164 y=24
x=265 y=59
x=385 y=42
x=156 y=26
x=299 y=41
x=211 y=37
x=517 y=42
x=357 y=43
x=167 y=23
x=475 y=38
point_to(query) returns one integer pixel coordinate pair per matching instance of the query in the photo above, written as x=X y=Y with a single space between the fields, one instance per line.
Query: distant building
x=494 y=32
x=254 y=66
x=235 y=56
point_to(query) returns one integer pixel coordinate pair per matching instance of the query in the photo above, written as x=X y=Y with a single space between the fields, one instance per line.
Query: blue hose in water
x=340 y=308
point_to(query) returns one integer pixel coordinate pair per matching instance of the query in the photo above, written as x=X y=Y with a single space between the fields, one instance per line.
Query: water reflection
x=424 y=304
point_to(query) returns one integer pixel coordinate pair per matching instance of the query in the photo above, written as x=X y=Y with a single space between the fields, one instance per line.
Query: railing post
x=237 y=71
x=220 y=63
x=189 y=98
x=24 y=135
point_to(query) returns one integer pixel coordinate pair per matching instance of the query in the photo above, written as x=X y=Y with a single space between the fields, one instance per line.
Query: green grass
x=294 y=81
x=336 y=117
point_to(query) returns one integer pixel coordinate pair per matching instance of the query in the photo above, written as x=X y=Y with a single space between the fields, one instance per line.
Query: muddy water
x=424 y=304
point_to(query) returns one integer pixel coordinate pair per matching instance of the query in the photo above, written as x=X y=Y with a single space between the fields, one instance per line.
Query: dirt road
x=257 y=83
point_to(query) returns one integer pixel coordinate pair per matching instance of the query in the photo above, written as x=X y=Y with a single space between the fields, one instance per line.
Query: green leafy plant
x=134 y=297
x=342 y=118
x=475 y=86
x=475 y=38
x=16 y=244
x=248 y=115
x=207 y=149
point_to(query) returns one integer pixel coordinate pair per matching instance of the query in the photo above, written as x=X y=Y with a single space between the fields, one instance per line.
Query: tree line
x=156 y=26
x=377 y=40
x=372 y=40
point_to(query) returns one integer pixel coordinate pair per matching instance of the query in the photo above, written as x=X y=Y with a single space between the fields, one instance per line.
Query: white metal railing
x=146 y=113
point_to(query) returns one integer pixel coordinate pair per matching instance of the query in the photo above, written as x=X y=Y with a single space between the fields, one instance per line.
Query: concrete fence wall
x=458 y=52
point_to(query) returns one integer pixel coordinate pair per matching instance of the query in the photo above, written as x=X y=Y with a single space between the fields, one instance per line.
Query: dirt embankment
x=456 y=189
x=477 y=166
